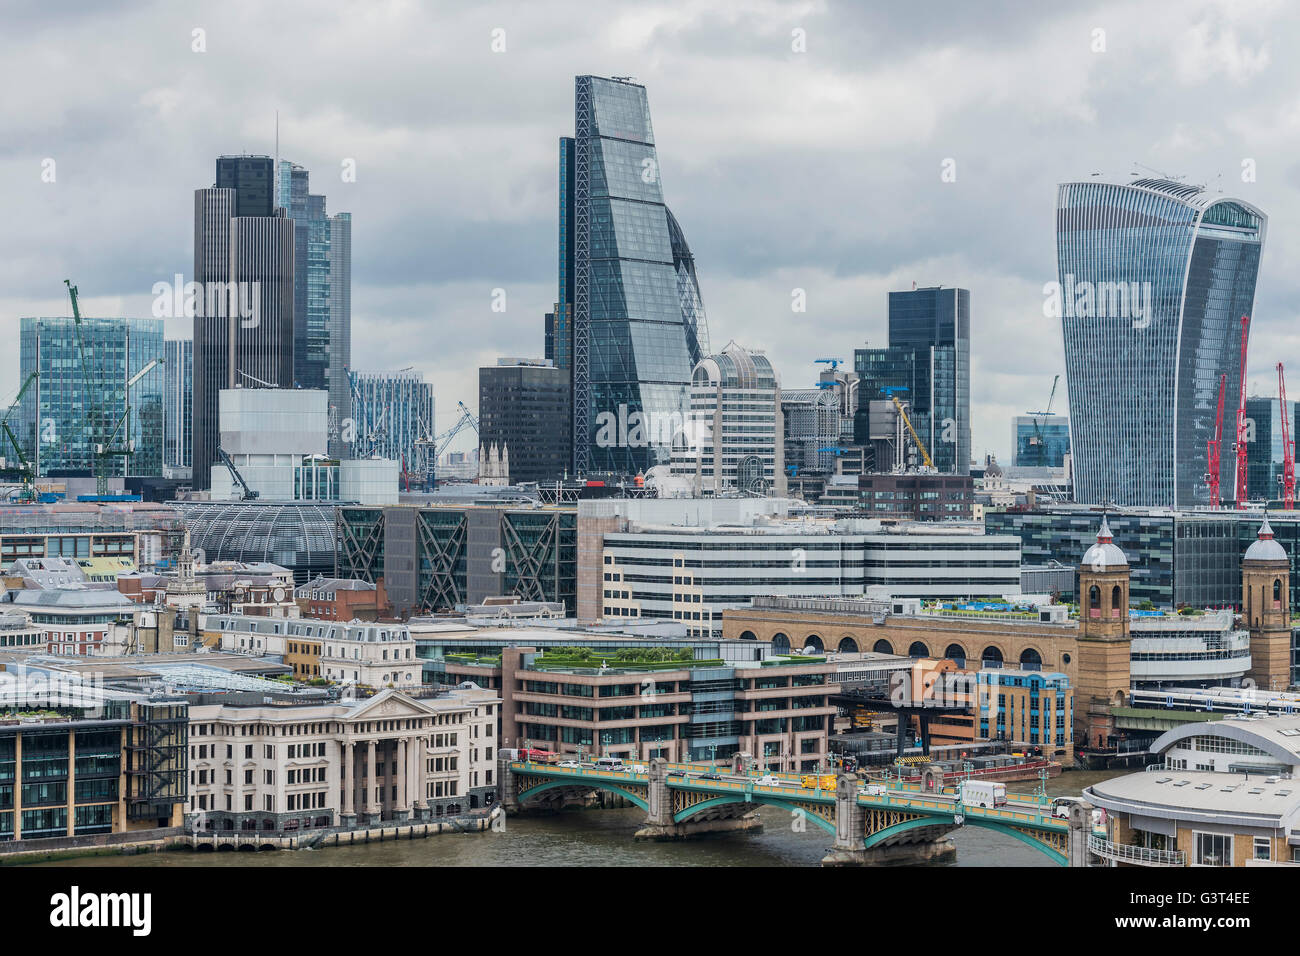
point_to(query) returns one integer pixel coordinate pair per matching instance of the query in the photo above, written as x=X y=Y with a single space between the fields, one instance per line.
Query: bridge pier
x=659 y=824
x=850 y=827
x=1080 y=830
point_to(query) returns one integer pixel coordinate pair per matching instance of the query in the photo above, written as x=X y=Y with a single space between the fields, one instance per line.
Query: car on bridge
x=569 y=765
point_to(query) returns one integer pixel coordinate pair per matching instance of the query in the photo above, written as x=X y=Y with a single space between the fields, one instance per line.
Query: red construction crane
x=1288 y=445
x=1240 y=489
x=1214 y=445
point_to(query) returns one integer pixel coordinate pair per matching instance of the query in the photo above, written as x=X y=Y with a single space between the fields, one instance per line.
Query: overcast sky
x=818 y=169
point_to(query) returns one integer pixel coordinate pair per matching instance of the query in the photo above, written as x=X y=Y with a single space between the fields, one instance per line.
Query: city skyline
x=766 y=173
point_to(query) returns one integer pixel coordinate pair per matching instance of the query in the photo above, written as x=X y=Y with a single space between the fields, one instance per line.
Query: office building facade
x=322 y=296
x=244 y=266
x=629 y=319
x=1155 y=277
x=523 y=414
x=1040 y=441
x=75 y=385
x=178 y=403
x=736 y=435
x=392 y=417
x=1264 y=451
x=927 y=363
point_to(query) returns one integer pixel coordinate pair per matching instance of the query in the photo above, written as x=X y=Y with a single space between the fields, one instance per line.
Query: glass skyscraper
x=178 y=402
x=56 y=413
x=392 y=414
x=1155 y=276
x=927 y=363
x=322 y=295
x=1264 y=451
x=629 y=321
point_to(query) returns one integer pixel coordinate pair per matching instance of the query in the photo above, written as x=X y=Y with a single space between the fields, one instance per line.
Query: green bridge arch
x=762 y=798
x=559 y=784
x=880 y=836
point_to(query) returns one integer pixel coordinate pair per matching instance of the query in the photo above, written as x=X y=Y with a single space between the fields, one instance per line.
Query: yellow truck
x=813 y=782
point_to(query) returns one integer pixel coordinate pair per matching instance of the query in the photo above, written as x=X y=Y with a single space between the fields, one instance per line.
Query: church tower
x=1102 y=667
x=1266 y=608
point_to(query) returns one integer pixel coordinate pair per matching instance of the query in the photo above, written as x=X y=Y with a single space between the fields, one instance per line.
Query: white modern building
x=277 y=441
x=734 y=436
x=688 y=560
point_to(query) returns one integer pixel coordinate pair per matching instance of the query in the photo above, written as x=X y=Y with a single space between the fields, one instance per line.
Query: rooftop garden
x=639 y=658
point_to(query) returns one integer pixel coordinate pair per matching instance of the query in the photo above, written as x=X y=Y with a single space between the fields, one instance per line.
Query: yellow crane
x=925 y=455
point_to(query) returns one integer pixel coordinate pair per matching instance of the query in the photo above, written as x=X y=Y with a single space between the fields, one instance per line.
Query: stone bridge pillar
x=847 y=850
x=932 y=779
x=507 y=794
x=1080 y=830
x=658 y=797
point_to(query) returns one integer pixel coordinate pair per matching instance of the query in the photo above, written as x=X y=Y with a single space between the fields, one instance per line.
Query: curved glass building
x=629 y=321
x=1155 y=276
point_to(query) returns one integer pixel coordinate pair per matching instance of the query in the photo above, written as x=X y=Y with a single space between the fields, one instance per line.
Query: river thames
x=598 y=837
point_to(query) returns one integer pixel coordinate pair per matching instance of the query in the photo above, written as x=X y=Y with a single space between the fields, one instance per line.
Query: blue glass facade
x=322 y=295
x=1040 y=441
x=629 y=320
x=1264 y=452
x=178 y=406
x=1155 y=277
x=55 y=414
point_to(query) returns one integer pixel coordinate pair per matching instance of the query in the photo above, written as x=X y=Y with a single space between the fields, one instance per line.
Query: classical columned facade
x=388 y=758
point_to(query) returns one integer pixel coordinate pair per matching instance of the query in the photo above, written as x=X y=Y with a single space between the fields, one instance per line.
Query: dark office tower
x=247 y=261
x=523 y=421
x=1155 y=276
x=626 y=320
x=250 y=178
x=322 y=297
x=927 y=364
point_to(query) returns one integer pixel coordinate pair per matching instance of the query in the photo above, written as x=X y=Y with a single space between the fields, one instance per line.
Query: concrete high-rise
x=1155 y=276
x=244 y=268
x=629 y=322
x=322 y=297
x=927 y=362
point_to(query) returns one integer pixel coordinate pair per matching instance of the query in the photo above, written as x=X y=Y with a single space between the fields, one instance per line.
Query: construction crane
x=1214 y=446
x=1288 y=445
x=20 y=468
x=248 y=494
x=101 y=439
x=1240 y=488
x=431 y=447
x=1037 y=417
x=925 y=455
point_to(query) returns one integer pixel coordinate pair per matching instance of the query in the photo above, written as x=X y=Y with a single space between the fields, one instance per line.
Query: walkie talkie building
x=1155 y=276
x=629 y=321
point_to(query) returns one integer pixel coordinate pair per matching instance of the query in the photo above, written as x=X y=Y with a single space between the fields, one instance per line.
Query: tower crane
x=1288 y=446
x=1214 y=446
x=1241 y=419
x=19 y=468
x=925 y=455
x=1038 y=424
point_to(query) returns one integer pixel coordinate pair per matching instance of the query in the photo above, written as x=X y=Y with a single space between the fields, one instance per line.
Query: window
x=1213 y=849
x=1263 y=848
